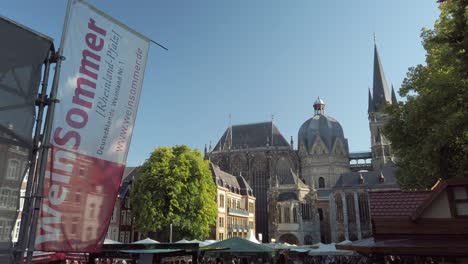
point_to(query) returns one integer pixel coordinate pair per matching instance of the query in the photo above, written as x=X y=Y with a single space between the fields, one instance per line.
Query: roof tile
x=396 y=203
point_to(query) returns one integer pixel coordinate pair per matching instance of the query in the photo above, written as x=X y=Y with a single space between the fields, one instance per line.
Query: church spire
x=394 y=100
x=371 y=107
x=379 y=90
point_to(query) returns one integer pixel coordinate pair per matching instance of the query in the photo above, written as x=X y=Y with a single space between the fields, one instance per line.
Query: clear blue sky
x=252 y=59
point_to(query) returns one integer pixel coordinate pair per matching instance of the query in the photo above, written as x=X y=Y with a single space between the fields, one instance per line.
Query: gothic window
x=321 y=182
x=283 y=167
x=339 y=208
x=294 y=215
x=13 y=169
x=363 y=209
x=320 y=212
x=259 y=181
x=280 y=215
x=306 y=211
x=350 y=208
x=287 y=214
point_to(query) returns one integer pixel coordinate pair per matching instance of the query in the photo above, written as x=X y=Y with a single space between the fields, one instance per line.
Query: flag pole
x=42 y=164
x=31 y=178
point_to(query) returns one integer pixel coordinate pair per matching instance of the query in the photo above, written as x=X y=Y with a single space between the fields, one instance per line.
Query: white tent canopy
x=183 y=241
x=252 y=237
x=329 y=249
x=110 y=242
x=146 y=241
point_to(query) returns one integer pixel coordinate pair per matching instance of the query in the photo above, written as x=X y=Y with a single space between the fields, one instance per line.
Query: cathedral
x=318 y=191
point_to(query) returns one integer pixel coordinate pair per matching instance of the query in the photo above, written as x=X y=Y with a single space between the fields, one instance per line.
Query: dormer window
x=460 y=200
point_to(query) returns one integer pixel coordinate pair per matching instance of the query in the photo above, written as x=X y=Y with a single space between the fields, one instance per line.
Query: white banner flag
x=99 y=89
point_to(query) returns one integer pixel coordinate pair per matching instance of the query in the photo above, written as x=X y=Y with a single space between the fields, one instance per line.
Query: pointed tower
x=380 y=93
x=381 y=152
x=394 y=100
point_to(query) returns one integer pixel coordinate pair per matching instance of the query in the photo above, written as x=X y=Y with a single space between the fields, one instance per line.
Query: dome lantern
x=319 y=106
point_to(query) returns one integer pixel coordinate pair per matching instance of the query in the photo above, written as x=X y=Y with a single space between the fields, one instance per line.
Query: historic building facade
x=255 y=151
x=318 y=170
x=236 y=206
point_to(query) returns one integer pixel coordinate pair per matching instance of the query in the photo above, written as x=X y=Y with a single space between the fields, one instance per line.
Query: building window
x=350 y=208
x=294 y=215
x=221 y=236
x=339 y=208
x=13 y=169
x=92 y=210
x=123 y=217
x=251 y=208
x=221 y=222
x=74 y=225
x=89 y=233
x=221 y=200
x=122 y=236
x=287 y=215
x=13 y=199
x=460 y=199
x=3 y=197
x=114 y=215
x=251 y=225
x=78 y=196
x=321 y=182
x=129 y=217
x=229 y=202
x=363 y=209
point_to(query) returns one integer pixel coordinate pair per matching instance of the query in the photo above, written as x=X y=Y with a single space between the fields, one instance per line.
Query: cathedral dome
x=326 y=127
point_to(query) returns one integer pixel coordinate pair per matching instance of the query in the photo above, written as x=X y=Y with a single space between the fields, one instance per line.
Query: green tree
x=175 y=186
x=429 y=132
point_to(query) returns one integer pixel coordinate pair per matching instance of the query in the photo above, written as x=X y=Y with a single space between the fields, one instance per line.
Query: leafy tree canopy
x=429 y=132
x=175 y=186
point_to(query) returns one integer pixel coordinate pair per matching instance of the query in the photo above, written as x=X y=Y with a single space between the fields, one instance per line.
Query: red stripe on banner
x=79 y=196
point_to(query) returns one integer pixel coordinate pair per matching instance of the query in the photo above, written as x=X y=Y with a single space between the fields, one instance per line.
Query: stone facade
x=236 y=206
x=294 y=215
x=322 y=164
x=248 y=150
